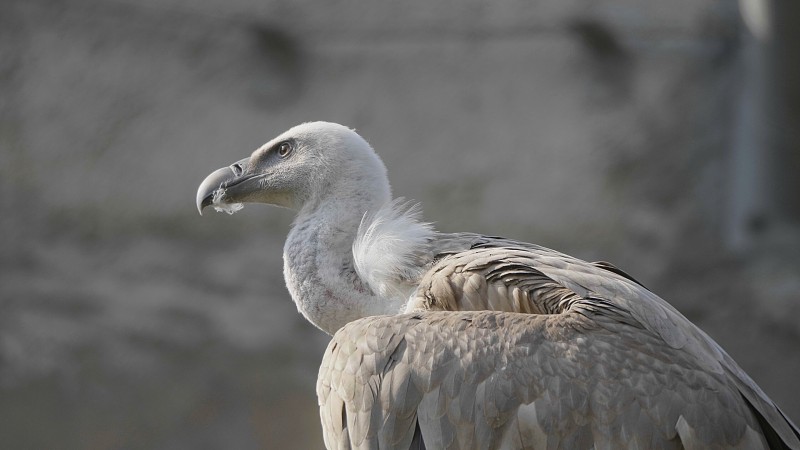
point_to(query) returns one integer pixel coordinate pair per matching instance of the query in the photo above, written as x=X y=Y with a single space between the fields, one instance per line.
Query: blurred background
x=660 y=136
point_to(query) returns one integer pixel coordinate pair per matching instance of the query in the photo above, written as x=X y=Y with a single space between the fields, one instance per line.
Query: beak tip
x=202 y=202
x=203 y=199
x=205 y=192
x=218 y=179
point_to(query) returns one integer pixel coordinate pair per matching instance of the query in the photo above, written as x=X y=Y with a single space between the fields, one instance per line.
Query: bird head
x=299 y=169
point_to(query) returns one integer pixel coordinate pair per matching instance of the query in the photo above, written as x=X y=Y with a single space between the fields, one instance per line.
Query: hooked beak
x=231 y=184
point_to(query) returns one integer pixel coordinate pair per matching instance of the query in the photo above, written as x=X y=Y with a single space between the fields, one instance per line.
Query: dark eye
x=284 y=149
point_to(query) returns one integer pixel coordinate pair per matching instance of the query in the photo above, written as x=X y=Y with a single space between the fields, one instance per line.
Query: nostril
x=237 y=169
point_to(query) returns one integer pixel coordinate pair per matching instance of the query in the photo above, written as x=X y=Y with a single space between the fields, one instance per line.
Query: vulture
x=466 y=341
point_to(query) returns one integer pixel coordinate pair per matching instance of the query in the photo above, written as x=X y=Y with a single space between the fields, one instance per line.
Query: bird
x=467 y=341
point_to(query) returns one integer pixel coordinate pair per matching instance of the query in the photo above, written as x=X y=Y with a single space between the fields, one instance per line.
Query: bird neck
x=318 y=264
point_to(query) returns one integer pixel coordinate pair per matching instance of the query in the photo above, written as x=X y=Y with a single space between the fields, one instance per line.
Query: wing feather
x=556 y=353
x=482 y=379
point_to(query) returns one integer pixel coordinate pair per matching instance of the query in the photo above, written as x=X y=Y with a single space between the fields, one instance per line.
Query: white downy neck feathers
x=388 y=248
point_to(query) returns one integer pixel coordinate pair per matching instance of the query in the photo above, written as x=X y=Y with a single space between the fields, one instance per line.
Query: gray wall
x=602 y=129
